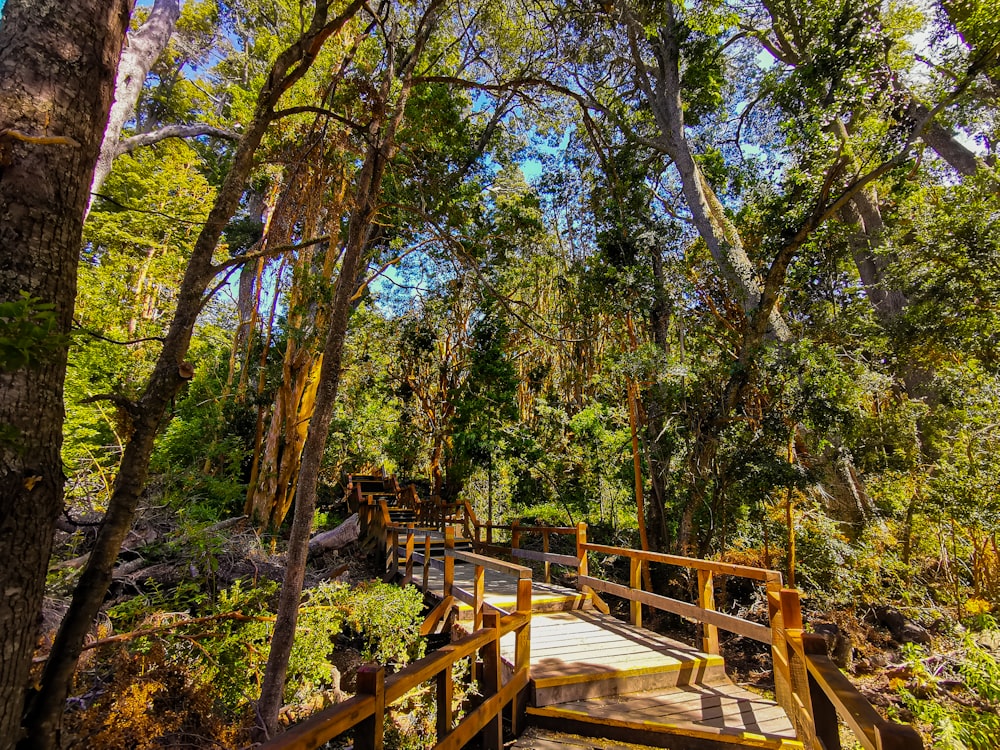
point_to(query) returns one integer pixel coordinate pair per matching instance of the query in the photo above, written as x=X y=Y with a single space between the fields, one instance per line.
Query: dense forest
x=718 y=278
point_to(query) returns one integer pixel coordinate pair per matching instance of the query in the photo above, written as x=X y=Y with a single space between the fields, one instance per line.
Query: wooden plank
x=727 y=622
x=757 y=574
x=545 y=557
x=734 y=737
x=435 y=615
x=515 y=571
x=464 y=596
x=369 y=734
x=322 y=726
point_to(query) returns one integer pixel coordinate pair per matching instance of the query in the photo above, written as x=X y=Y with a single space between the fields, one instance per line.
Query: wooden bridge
x=554 y=657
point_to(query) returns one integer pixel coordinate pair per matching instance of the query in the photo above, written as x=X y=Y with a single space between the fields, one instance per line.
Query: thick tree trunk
x=707 y=212
x=169 y=374
x=57 y=70
x=144 y=46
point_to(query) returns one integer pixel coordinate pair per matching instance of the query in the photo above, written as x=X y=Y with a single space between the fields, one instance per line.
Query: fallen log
x=338 y=538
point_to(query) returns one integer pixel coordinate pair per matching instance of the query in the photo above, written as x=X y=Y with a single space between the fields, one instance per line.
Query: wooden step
x=585 y=654
x=539 y=738
x=720 y=715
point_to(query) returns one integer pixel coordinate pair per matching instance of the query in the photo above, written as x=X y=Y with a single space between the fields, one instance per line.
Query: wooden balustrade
x=811 y=689
x=808 y=685
x=365 y=712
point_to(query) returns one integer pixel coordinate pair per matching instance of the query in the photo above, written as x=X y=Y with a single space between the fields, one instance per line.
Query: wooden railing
x=808 y=685
x=811 y=689
x=365 y=712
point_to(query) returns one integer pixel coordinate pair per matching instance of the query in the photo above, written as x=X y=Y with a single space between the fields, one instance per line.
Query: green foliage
x=29 y=333
x=386 y=617
x=971 y=723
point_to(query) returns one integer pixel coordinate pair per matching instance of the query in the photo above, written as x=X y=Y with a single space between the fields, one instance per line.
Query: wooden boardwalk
x=552 y=661
x=597 y=675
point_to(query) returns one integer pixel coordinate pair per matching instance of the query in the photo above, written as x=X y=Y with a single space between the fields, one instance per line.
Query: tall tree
x=388 y=112
x=169 y=374
x=57 y=72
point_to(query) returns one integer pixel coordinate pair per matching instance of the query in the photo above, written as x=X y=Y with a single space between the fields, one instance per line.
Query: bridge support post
x=369 y=732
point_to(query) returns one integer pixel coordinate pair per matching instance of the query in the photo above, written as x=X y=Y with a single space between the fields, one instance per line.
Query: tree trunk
x=169 y=374
x=360 y=226
x=144 y=46
x=707 y=211
x=57 y=70
x=656 y=509
x=277 y=459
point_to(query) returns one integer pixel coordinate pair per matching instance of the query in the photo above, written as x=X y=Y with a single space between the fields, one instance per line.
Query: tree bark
x=144 y=45
x=57 y=70
x=169 y=374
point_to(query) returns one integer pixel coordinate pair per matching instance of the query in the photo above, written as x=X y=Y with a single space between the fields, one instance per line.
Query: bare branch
x=130 y=144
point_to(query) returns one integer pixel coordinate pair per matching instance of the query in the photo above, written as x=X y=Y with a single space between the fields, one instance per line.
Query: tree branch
x=270 y=252
x=130 y=144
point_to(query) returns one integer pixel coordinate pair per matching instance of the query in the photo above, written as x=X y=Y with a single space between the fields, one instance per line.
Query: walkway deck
x=595 y=675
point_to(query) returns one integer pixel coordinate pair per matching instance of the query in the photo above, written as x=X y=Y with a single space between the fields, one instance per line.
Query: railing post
x=368 y=734
x=408 y=574
x=635 y=582
x=581 y=553
x=478 y=590
x=449 y=561
x=515 y=535
x=706 y=600
x=445 y=697
x=545 y=549
x=394 y=567
x=802 y=718
x=779 y=648
x=493 y=731
x=522 y=656
x=489 y=532
x=427 y=559
x=824 y=713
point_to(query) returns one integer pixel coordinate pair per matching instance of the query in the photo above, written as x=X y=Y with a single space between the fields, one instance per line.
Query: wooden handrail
x=694 y=563
x=515 y=571
x=807 y=684
x=376 y=692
